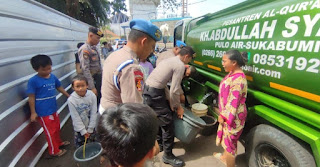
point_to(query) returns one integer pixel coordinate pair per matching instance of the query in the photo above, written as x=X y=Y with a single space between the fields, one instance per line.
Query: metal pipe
x=298 y=112
x=303 y=114
x=212 y=86
x=209 y=74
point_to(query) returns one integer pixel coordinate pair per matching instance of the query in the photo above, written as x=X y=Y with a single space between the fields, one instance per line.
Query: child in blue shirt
x=42 y=102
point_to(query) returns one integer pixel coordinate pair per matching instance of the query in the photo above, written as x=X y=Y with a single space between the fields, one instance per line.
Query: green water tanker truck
x=282 y=38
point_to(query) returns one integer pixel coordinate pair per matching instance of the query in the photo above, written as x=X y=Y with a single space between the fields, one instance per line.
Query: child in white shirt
x=82 y=105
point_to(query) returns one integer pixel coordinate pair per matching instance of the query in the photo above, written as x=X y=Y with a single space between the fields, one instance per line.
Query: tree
x=169 y=5
x=93 y=12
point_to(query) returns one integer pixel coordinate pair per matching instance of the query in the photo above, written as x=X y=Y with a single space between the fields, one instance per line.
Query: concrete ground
x=198 y=153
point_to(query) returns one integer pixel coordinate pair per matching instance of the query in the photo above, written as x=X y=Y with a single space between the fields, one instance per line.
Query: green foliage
x=118 y=6
x=93 y=12
x=169 y=5
x=59 y=5
x=103 y=40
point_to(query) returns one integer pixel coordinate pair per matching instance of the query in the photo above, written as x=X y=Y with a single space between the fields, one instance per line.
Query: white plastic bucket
x=199 y=109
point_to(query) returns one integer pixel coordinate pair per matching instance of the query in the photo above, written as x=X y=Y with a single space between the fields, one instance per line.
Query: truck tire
x=268 y=146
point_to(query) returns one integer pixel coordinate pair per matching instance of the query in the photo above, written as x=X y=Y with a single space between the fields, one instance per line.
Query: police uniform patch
x=157 y=34
x=99 y=33
x=138 y=78
x=86 y=54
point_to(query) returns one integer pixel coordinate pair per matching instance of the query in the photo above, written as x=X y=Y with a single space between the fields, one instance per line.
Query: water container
x=209 y=127
x=199 y=109
x=92 y=155
x=186 y=129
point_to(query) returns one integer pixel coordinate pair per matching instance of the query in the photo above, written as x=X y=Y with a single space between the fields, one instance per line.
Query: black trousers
x=97 y=83
x=156 y=99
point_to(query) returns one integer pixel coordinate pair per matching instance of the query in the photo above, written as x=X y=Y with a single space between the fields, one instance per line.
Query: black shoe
x=172 y=160
x=160 y=149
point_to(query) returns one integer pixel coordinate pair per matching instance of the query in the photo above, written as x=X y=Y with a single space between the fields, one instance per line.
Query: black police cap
x=96 y=31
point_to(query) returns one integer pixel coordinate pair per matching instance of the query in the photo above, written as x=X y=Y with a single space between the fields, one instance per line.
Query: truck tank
x=281 y=37
x=282 y=41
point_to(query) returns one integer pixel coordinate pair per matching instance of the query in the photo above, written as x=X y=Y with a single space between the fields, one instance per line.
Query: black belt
x=152 y=89
x=96 y=72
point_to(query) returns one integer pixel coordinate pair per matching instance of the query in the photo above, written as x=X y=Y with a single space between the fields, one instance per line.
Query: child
x=127 y=133
x=42 y=101
x=83 y=109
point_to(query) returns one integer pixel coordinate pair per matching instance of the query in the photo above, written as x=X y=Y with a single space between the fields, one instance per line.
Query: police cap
x=96 y=31
x=147 y=27
x=180 y=43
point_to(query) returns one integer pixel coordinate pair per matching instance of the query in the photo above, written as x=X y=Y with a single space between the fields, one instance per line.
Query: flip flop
x=218 y=156
x=102 y=159
x=65 y=143
x=60 y=153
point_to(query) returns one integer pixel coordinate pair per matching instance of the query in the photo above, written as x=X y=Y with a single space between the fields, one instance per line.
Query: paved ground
x=199 y=153
x=196 y=154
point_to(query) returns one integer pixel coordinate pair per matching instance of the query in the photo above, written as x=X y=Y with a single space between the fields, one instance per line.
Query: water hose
x=84 y=147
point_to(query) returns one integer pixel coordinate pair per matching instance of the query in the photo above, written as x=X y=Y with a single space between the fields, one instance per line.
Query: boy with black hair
x=127 y=133
x=82 y=105
x=42 y=101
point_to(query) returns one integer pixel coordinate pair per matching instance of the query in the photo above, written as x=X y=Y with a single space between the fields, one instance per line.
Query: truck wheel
x=268 y=146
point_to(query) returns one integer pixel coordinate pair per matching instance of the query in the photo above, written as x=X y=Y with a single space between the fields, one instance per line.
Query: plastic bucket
x=186 y=129
x=92 y=152
x=209 y=127
x=199 y=109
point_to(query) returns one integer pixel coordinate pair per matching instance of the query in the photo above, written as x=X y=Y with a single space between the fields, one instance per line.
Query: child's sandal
x=65 y=143
x=60 y=153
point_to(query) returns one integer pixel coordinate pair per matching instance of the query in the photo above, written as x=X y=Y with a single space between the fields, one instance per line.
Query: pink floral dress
x=232 y=107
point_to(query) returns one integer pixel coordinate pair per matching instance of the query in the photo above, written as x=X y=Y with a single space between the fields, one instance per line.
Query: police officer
x=170 y=53
x=154 y=95
x=122 y=76
x=90 y=61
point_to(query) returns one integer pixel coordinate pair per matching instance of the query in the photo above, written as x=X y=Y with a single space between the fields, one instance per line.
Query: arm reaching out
x=61 y=90
x=31 y=100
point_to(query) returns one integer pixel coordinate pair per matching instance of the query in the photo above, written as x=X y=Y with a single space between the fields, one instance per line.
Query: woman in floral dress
x=232 y=107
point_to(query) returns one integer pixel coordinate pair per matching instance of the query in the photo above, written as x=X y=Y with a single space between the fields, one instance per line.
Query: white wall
x=29 y=28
